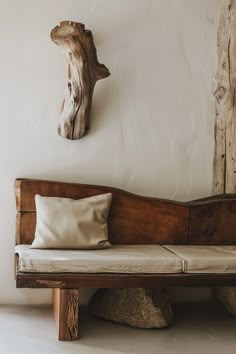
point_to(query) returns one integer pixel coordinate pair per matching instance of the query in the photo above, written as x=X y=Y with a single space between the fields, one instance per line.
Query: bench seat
x=148 y=259
x=117 y=259
x=206 y=259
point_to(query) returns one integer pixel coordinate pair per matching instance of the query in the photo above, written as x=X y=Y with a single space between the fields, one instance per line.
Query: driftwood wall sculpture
x=224 y=173
x=83 y=71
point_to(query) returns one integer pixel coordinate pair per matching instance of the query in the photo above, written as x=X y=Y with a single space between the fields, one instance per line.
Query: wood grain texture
x=132 y=219
x=64 y=281
x=26 y=189
x=135 y=219
x=224 y=170
x=83 y=71
x=224 y=175
x=25 y=227
x=66 y=313
x=213 y=223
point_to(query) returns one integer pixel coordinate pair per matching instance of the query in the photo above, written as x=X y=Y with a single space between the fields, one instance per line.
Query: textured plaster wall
x=152 y=120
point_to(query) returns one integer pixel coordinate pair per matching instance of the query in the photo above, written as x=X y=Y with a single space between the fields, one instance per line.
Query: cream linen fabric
x=118 y=259
x=206 y=259
x=72 y=224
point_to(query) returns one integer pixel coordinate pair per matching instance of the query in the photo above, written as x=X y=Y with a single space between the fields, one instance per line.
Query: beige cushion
x=74 y=224
x=118 y=259
x=206 y=259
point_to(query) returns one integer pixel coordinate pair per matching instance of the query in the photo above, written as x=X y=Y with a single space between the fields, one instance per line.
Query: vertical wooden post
x=224 y=174
x=66 y=312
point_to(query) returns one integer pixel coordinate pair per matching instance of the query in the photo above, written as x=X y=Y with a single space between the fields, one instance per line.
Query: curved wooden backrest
x=135 y=219
x=132 y=219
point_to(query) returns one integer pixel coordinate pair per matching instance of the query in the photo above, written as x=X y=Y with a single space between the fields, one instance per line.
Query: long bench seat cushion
x=206 y=259
x=118 y=259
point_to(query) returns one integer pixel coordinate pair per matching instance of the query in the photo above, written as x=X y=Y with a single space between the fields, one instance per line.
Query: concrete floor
x=198 y=329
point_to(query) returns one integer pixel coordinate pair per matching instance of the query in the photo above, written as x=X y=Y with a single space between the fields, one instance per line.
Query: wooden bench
x=133 y=220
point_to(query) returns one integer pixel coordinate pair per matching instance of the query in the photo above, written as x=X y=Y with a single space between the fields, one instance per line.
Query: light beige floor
x=198 y=329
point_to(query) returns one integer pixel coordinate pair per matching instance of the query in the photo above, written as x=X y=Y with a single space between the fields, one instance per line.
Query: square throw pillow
x=72 y=224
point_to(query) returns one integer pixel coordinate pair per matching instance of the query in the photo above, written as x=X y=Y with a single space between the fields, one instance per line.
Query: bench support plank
x=76 y=280
x=66 y=312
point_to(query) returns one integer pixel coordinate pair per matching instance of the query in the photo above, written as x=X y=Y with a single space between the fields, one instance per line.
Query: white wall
x=152 y=120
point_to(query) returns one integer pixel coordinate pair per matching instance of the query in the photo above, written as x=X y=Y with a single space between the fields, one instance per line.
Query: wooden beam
x=159 y=220
x=76 y=280
x=224 y=175
x=208 y=221
x=66 y=313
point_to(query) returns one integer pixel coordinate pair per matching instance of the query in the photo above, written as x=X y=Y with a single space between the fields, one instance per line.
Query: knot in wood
x=220 y=93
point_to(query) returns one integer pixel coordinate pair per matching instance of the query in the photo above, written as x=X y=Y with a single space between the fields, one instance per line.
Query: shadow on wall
x=103 y=103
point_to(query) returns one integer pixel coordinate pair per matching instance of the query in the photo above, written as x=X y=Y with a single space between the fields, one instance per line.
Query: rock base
x=227 y=297
x=136 y=307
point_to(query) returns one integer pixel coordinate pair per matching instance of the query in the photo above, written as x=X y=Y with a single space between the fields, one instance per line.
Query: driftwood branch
x=83 y=71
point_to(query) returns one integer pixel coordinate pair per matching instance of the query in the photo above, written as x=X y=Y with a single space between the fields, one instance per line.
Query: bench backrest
x=135 y=219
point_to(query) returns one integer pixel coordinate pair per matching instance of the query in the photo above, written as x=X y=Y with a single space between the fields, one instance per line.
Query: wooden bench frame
x=209 y=221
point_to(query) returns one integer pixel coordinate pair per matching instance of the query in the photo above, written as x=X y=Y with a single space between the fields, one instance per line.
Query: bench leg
x=66 y=312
